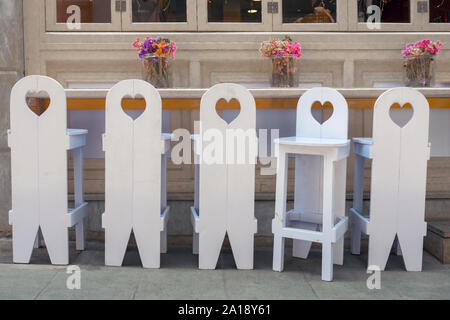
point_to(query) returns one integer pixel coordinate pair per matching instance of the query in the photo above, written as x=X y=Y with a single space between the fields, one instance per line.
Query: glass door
x=234 y=15
x=160 y=15
x=83 y=15
x=311 y=15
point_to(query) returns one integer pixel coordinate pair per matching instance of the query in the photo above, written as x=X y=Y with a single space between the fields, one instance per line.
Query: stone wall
x=11 y=69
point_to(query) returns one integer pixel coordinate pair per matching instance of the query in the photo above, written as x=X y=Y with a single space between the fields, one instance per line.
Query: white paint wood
x=225 y=190
x=133 y=162
x=39 y=147
x=320 y=176
x=398 y=186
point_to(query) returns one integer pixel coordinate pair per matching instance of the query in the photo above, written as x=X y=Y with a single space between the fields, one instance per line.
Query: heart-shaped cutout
x=401 y=115
x=37 y=102
x=228 y=110
x=134 y=107
x=322 y=112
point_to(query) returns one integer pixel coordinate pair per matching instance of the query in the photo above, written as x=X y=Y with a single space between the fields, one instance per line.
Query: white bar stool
x=135 y=176
x=39 y=147
x=399 y=169
x=225 y=187
x=321 y=153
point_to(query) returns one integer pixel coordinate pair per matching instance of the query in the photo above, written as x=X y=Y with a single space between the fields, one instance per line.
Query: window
x=234 y=11
x=439 y=11
x=98 y=11
x=390 y=11
x=160 y=15
x=159 y=11
x=82 y=15
x=309 y=11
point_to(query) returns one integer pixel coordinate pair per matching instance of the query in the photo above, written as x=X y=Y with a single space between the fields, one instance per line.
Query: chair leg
x=338 y=252
x=380 y=245
x=57 y=243
x=278 y=253
x=355 y=244
x=327 y=261
x=301 y=248
x=412 y=249
x=242 y=246
x=23 y=240
x=80 y=236
x=164 y=241
x=328 y=220
x=195 y=241
x=209 y=247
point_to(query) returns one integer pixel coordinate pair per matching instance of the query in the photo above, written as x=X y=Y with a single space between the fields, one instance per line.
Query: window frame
x=53 y=25
x=189 y=25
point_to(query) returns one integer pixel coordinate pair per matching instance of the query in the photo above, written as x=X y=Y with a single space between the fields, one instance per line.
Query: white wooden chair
x=399 y=167
x=39 y=147
x=225 y=191
x=135 y=191
x=321 y=152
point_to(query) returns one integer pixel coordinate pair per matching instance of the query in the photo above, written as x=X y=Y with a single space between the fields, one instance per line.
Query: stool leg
x=328 y=220
x=278 y=253
x=195 y=236
x=77 y=155
x=163 y=240
x=195 y=242
x=339 y=187
x=280 y=212
x=358 y=189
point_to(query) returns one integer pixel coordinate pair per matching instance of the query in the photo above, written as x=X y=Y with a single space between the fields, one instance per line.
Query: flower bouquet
x=284 y=54
x=155 y=54
x=419 y=62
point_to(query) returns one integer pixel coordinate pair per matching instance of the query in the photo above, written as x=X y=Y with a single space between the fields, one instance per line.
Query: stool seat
x=77 y=138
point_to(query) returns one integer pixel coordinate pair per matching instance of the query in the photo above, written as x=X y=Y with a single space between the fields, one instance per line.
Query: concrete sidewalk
x=179 y=278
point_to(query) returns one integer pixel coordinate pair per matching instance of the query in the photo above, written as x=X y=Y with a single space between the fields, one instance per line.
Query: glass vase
x=419 y=71
x=155 y=70
x=284 y=72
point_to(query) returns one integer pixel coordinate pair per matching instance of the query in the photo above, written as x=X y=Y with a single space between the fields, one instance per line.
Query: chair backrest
x=38 y=151
x=227 y=91
x=133 y=151
x=246 y=120
x=385 y=130
x=335 y=127
x=225 y=184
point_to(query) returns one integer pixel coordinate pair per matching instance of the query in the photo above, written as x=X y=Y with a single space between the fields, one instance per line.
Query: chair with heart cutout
x=321 y=152
x=399 y=168
x=225 y=179
x=135 y=189
x=39 y=178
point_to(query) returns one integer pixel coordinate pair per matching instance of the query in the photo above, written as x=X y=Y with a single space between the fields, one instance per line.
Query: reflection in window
x=439 y=11
x=98 y=11
x=309 y=11
x=392 y=11
x=234 y=11
x=159 y=11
